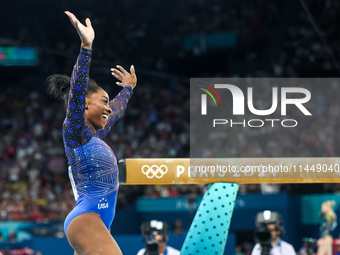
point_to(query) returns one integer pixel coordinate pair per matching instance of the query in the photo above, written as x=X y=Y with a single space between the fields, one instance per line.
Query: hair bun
x=64 y=87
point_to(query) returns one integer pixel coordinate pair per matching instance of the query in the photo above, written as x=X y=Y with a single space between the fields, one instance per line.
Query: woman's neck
x=90 y=125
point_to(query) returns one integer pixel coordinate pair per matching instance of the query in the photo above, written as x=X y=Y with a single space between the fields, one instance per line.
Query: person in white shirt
x=157 y=230
x=163 y=248
x=279 y=247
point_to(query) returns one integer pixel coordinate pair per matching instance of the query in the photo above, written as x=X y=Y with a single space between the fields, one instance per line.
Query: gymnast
x=93 y=169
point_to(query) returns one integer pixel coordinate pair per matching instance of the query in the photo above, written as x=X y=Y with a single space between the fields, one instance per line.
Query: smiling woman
x=97 y=110
x=93 y=166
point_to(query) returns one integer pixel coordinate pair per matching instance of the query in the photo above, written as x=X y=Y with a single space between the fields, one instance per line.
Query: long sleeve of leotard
x=74 y=123
x=328 y=225
x=118 y=107
x=329 y=221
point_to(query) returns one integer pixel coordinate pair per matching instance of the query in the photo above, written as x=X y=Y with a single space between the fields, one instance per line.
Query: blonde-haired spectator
x=327 y=227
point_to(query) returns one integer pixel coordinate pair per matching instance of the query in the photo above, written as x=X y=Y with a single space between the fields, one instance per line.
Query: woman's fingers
x=125 y=77
x=122 y=74
x=72 y=18
x=122 y=69
x=75 y=22
x=86 y=33
x=88 y=23
x=117 y=73
x=117 y=76
x=132 y=70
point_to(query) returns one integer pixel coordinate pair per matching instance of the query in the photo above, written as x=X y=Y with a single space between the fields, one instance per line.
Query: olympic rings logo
x=154 y=171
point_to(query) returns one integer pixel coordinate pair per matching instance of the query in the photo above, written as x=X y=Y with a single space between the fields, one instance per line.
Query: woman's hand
x=86 y=33
x=124 y=77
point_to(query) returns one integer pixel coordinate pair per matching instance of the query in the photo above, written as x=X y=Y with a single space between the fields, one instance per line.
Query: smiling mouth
x=105 y=116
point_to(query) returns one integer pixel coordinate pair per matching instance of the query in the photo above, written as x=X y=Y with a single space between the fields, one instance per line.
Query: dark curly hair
x=58 y=85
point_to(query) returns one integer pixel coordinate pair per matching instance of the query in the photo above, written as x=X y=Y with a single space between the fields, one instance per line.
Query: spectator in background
x=12 y=237
x=177 y=228
x=163 y=248
x=247 y=248
x=329 y=223
x=238 y=250
x=303 y=250
x=156 y=231
x=274 y=224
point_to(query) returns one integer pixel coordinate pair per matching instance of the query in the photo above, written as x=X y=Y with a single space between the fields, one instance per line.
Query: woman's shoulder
x=331 y=216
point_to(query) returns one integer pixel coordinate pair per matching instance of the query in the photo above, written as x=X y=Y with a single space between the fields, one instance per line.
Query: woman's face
x=325 y=208
x=97 y=110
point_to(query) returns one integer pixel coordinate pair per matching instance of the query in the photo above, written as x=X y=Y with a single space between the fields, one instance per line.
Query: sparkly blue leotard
x=93 y=166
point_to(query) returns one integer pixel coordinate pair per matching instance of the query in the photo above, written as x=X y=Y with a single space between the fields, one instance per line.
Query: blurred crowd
x=151 y=37
x=33 y=167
